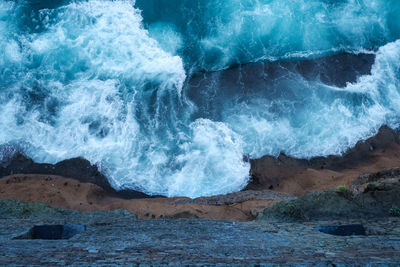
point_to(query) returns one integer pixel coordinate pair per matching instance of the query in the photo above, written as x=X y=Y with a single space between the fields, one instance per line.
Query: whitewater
x=140 y=88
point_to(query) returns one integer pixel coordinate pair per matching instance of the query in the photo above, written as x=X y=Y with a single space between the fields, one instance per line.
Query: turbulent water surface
x=168 y=97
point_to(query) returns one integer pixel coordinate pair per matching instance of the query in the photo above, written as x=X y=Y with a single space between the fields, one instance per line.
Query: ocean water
x=169 y=97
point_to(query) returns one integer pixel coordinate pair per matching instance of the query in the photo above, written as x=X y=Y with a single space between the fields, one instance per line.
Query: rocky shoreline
x=76 y=184
x=86 y=197
x=251 y=227
x=267 y=173
x=372 y=155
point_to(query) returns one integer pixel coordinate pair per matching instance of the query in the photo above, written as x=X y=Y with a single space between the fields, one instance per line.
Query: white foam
x=214 y=153
x=102 y=89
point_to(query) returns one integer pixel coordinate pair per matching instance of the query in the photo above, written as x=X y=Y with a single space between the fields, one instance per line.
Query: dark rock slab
x=337 y=70
x=212 y=91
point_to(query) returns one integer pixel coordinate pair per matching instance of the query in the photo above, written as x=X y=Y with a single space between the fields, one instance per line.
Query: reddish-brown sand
x=71 y=194
x=323 y=179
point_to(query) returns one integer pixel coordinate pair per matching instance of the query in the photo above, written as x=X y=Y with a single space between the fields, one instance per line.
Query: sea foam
x=92 y=84
x=92 y=79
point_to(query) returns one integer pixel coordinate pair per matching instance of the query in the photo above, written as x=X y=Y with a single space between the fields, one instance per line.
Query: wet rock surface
x=249 y=79
x=118 y=237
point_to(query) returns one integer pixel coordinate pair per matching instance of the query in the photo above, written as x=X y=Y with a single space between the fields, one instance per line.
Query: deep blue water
x=168 y=96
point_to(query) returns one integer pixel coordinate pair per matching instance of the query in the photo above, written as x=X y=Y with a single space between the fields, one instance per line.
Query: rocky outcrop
x=364 y=180
x=77 y=168
x=270 y=172
x=376 y=200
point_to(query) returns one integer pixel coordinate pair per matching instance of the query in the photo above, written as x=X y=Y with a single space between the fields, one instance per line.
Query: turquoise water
x=117 y=82
x=216 y=34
